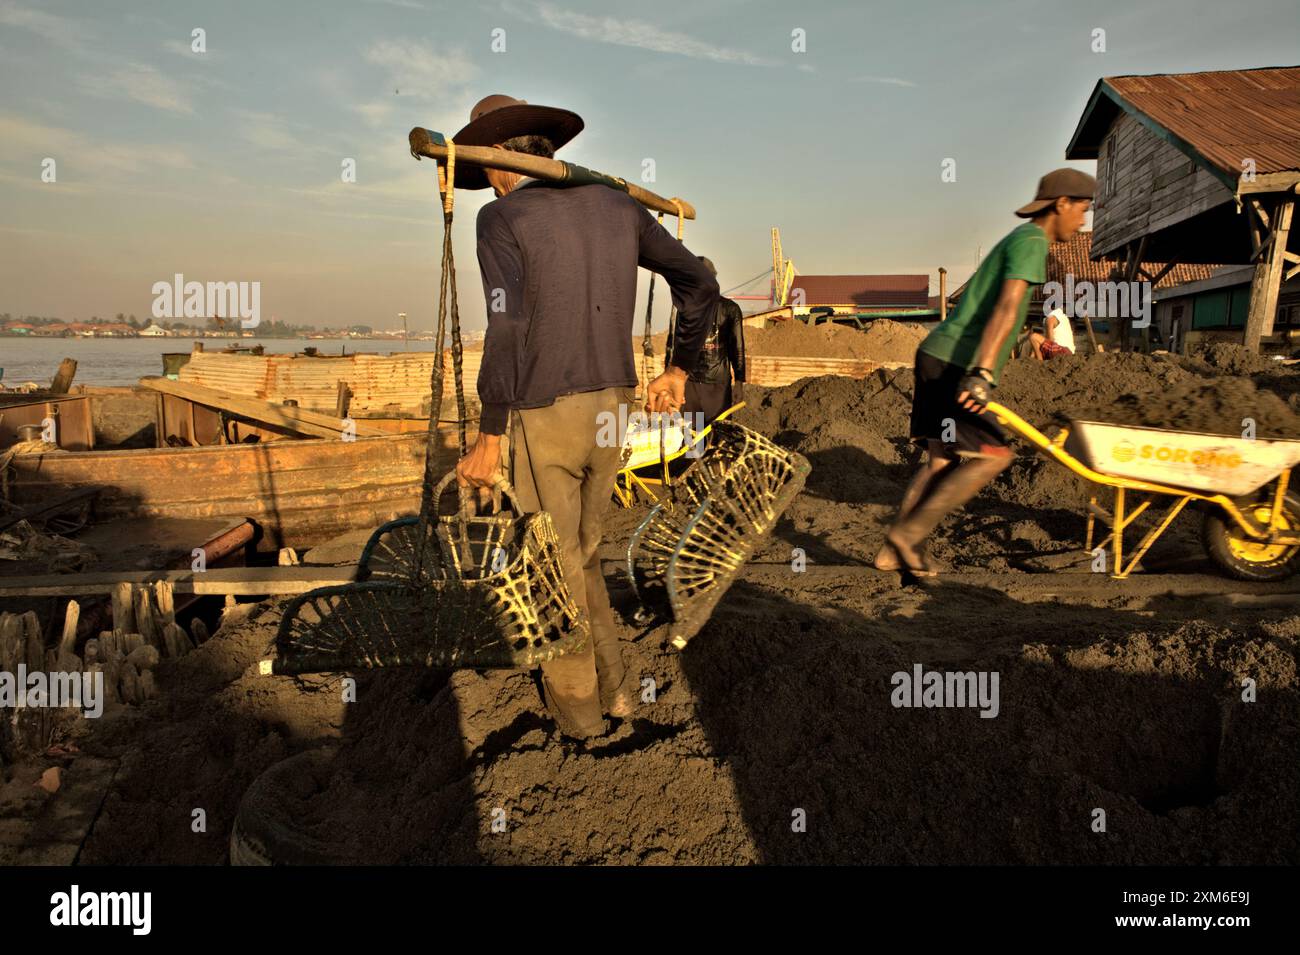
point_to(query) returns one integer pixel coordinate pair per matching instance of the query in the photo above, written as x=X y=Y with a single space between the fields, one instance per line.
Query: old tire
x=1245 y=559
x=267 y=828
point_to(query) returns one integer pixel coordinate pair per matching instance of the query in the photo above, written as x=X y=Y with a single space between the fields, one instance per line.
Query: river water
x=123 y=361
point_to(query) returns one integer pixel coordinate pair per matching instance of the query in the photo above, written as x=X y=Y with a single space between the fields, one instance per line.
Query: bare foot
x=911 y=558
x=887 y=559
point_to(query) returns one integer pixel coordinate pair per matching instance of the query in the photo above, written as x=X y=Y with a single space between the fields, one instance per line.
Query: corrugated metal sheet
x=1227 y=116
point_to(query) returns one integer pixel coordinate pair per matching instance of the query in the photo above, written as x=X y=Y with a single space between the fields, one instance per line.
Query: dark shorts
x=710 y=400
x=936 y=416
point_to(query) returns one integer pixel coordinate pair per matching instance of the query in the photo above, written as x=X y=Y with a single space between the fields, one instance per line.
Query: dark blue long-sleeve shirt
x=559 y=269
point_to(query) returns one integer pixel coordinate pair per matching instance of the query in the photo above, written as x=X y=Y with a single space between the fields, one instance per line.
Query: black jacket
x=559 y=278
x=723 y=354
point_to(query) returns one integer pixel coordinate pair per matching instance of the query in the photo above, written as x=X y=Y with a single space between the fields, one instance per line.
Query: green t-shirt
x=1022 y=254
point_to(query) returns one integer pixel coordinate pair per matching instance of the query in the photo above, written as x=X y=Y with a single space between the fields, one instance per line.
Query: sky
x=226 y=164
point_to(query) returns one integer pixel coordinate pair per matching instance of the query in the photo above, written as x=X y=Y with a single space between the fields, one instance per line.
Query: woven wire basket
x=686 y=553
x=488 y=591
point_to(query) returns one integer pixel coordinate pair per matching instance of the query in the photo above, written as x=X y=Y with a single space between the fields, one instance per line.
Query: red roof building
x=869 y=291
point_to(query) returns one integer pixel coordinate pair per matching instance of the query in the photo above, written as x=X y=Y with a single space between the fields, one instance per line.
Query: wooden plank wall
x=403 y=380
x=1155 y=186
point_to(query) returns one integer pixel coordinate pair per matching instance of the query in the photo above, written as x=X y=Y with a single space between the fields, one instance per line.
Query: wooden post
x=68 y=641
x=123 y=609
x=1268 y=278
x=34 y=641
x=943 y=294
x=13 y=647
x=145 y=620
x=63 y=377
x=165 y=601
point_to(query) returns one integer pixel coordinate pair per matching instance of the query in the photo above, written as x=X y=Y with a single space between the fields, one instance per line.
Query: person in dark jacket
x=559 y=267
x=709 y=390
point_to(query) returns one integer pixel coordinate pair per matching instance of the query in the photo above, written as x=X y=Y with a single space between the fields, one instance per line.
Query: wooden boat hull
x=299 y=493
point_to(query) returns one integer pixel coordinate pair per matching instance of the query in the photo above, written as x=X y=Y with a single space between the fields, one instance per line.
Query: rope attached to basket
x=447 y=303
x=647 y=346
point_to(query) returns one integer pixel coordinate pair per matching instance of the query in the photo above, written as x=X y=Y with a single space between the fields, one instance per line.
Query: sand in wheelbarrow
x=1229 y=406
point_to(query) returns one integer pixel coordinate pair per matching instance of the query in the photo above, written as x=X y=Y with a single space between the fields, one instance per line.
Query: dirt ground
x=773 y=736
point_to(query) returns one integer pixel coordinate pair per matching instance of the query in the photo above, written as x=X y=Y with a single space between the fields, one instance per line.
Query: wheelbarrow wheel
x=1244 y=558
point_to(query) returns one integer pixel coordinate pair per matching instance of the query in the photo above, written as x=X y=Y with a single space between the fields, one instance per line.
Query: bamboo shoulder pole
x=427 y=142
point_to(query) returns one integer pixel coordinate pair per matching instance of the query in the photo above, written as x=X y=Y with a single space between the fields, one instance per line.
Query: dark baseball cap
x=1070 y=183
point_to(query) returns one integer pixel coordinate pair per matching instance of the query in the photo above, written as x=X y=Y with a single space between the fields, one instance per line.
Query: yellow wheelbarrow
x=651 y=448
x=1251 y=527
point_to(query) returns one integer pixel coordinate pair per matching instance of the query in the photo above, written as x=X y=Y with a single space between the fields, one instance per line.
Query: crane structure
x=783 y=272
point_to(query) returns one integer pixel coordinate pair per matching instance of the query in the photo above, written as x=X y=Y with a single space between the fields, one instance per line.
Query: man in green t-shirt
x=958 y=364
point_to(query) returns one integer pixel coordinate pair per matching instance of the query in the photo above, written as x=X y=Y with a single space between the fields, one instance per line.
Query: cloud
x=376 y=113
x=266 y=131
x=53 y=141
x=417 y=69
x=404 y=4
x=883 y=80
x=61 y=31
x=639 y=34
x=140 y=83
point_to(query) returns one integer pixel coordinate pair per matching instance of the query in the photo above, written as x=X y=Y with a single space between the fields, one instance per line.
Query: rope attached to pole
x=446 y=297
x=647 y=346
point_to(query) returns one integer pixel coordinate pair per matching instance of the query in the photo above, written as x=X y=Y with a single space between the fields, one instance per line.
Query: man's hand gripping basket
x=685 y=554
x=484 y=591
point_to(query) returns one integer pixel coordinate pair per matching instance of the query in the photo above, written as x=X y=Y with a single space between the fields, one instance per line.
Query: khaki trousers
x=557 y=467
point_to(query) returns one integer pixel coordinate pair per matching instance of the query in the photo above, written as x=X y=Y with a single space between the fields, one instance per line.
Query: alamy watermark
x=953 y=688
x=182 y=299
x=75 y=907
x=37 y=689
x=612 y=430
x=1130 y=300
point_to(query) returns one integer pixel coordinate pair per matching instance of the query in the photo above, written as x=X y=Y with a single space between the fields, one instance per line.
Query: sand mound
x=883 y=340
x=1226 y=358
x=782 y=703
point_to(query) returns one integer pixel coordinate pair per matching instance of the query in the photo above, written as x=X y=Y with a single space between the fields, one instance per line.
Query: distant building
x=1215 y=308
x=154 y=331
x=854 y=299
x=109 y=330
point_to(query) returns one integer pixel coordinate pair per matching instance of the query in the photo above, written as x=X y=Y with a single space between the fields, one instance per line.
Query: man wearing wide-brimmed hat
x=958 y=364
x=559 y=268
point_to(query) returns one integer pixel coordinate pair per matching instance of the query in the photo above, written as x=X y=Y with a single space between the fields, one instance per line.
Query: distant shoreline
x=221 y=338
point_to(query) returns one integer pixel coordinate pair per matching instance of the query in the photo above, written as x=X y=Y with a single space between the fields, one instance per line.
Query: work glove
x=975 y=390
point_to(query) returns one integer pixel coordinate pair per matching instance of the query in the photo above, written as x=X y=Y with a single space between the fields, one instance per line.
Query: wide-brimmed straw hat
x=1070 y=183
x=496 y=118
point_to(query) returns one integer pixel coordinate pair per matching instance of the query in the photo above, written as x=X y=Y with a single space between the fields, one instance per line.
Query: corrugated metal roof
x=1222 y=117
x=911 y=291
